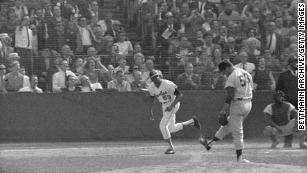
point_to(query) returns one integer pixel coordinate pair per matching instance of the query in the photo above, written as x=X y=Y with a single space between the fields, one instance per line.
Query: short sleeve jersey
x=165 y=92
x=242 y=81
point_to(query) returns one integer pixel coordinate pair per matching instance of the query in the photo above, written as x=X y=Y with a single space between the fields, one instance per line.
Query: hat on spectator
x=4 y=35
x=2 y=66
x=292 y=59
x=169 y=14
x=13 y=57
x=116 y=22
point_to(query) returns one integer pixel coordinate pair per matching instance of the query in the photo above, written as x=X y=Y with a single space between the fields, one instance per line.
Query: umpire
x=287 y=82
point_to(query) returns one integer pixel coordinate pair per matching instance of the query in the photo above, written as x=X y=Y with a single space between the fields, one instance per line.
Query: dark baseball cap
x=153 y=74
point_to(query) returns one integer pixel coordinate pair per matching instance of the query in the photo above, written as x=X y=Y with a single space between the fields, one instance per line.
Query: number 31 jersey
x=242 y=81
x=165 y=92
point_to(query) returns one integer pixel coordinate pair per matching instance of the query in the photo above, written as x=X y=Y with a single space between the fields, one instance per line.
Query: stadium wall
x=110 y=116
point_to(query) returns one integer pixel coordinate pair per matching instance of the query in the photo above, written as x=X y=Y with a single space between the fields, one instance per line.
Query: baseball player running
x=239 y=86
x=168 y=94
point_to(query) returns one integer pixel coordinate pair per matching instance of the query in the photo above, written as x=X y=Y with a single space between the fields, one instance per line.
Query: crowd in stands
x=74 y=45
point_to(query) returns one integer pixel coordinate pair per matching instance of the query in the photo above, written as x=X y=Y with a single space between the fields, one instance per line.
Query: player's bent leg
x=271 y=132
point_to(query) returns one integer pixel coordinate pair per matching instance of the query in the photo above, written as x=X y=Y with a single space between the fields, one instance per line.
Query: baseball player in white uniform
x=167 y=93
x=238 y=104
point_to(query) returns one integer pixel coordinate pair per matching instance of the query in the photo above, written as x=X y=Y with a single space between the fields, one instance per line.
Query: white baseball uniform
x=240 y=107
x=165 y=95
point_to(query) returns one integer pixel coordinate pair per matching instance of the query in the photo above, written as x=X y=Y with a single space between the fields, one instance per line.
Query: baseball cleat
x=196 y=123
x=204 y=142
x=169 y=151
x=241 y=160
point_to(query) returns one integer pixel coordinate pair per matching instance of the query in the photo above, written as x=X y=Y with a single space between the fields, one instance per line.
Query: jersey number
x=166 y=97
x=244 y=80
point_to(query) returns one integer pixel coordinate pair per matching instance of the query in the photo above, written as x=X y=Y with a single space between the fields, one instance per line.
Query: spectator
x=124 y=46
x=78 y=67
x=137 y=49
x=33 y=86
x=72 y=36
x=222 y=38
x=67 y=55
x=86 y=85
x=56 y=27
x=15 y=80
x=107 y=25
x=149 y=66
x=245 y=65
x=231 y=48
x=139 y=61
x=41 y=66
x=255 y=21
x=166 y=31
x=287 y=83
x=272 y=41
x=5 y=47
x=59 y=79
x=94 y=70
x=23 y=43
x=119 y=83
x=271 y=61
x=12 y=22
x=86 y=39
x=137 y=84
x=203 y=6
x=199 y=39
x=209 y=45
x=71 y=85
x=40 y=28
x=2 y=77
x=53 y=68
x=188 y=80
x=20 y=9
x=229 y=14
x=252 y=50
x=93 y=11
x=263 y=79
x=280 y=29
x=281 y=117
x=122 y=66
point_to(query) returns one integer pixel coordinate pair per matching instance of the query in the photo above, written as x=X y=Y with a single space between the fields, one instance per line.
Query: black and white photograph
x=153 y=86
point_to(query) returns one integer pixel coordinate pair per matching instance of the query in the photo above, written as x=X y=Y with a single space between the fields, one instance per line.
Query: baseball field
x=148 y=157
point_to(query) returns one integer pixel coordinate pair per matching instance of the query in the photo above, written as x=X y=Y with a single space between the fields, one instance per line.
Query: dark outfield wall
x=106 y=116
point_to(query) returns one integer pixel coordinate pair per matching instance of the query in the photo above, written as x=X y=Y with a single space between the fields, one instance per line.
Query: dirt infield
x=147 y=157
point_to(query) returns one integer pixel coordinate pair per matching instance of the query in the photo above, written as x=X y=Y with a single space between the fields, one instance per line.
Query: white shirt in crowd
x=23 y=37
x=85 y=36
x=124 y=47
x=249 y=67
x=58 y=80
x=29 y=89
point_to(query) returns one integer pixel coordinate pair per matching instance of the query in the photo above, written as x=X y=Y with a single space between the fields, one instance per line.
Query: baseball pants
x=168 y=123
x=239 y=110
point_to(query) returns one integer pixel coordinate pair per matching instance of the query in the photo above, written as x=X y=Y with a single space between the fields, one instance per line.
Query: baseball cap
x=153 y=74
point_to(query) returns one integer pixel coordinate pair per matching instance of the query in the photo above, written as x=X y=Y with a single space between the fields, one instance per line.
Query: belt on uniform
x=241 y=99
